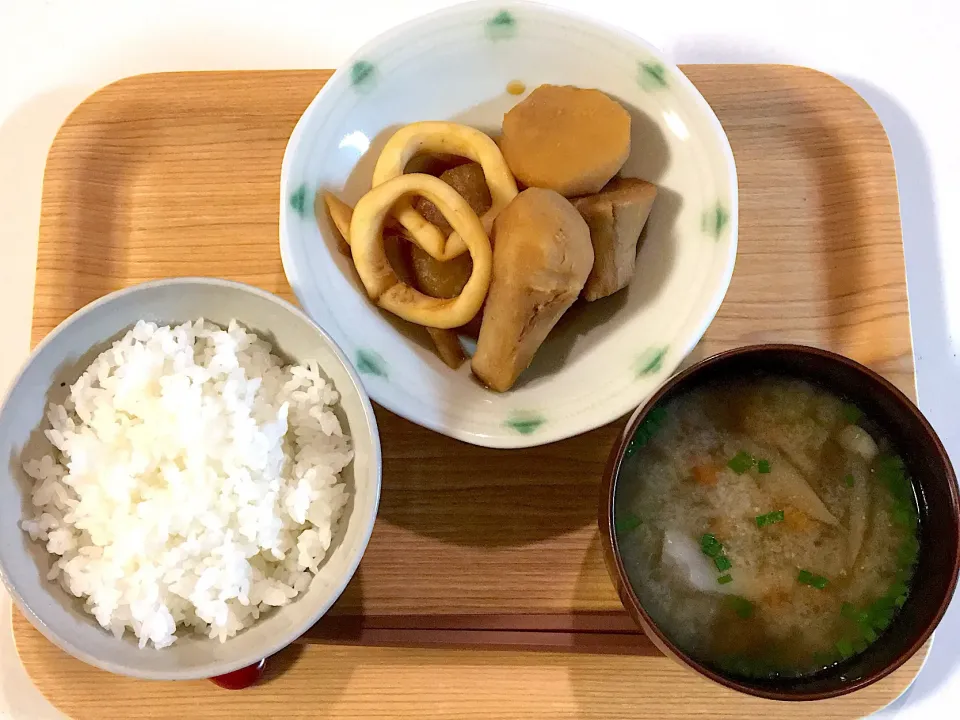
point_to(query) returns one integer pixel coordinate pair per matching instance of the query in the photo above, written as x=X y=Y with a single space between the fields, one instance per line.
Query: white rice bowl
x=196 y=484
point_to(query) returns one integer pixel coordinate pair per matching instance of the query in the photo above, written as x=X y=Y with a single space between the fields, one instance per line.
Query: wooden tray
x=177 y=174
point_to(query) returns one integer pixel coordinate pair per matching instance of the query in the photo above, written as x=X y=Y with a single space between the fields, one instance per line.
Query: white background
x=902 y=56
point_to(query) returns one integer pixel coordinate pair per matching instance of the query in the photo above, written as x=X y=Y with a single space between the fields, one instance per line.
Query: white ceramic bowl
x=603 y=358
x=60 y=358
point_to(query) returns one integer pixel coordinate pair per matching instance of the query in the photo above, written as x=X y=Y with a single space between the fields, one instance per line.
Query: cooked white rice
x=196 y=484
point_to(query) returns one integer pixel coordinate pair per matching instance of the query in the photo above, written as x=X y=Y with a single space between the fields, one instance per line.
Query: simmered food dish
x=445 y=239
x=768 y=527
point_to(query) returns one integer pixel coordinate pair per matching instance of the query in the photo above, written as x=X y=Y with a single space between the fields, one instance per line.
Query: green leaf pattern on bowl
x=525 y=423
x=501 y=26
x=300 y=199
x=650 y=361
x=715 y=221
x=370 y=362
x=652 y=76
x=363 y=75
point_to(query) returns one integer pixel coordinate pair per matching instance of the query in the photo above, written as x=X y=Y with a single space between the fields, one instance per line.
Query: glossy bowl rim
x=211 y=669
x=629 y=597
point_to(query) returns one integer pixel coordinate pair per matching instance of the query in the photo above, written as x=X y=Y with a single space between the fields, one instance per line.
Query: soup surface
x=767 y=526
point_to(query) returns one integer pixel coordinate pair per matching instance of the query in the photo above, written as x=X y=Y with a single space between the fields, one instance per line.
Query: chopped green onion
x=626 y=523
x=758 y=668
x=742 y=666
x=883 y=603
x=882 y=622
x=891 y=472
x=646 y=430
x=823 y=659
x=902 y=516
x=868 y=634
x=849 y=480
x=741 y=462
x=710 y=546
x=845 y=648
x=897 y=589
x=907 y=552
x=713 y=548
x=763 y=466
x=852 y=414
x=899 y=602
x=657 y=416
x=771 y=518
x=890 y=464
x=849 y=611
x=724 y=579
x=881 y=612
x=806 y=577
x=639 y=439
x=859 y=645
x=741 y=606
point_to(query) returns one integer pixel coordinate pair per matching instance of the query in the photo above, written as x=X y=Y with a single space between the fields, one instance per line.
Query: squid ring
x=378 y=277
x=454 y=139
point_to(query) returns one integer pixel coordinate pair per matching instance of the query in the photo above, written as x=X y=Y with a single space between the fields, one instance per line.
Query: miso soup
x=768 y=527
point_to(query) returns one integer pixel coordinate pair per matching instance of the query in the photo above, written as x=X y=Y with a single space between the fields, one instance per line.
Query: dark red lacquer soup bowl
x=935 y=520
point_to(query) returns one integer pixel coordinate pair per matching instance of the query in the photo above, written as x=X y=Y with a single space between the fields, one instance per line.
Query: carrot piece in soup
x=705 y=474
